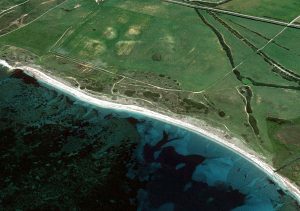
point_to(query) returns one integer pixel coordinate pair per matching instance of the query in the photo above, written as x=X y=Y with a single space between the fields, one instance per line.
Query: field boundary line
x=85 y=64
x=250 y=55
x=228 y=12
x=17 y=5
x=3 y=35
x=60 y=38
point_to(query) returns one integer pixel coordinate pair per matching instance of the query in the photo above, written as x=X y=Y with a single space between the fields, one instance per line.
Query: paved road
x=267 y=20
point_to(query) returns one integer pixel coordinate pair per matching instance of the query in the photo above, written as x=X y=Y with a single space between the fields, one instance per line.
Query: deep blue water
x=59 y=153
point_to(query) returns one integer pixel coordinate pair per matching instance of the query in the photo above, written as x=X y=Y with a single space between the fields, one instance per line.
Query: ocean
x=60 y=153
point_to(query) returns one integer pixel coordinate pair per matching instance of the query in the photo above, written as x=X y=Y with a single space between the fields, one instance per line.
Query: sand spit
x=283 y=182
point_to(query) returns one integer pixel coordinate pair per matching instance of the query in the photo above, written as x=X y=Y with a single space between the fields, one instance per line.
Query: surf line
x=43 y=78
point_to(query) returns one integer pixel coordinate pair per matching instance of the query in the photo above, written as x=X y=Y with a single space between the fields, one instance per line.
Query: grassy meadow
x=173 y=58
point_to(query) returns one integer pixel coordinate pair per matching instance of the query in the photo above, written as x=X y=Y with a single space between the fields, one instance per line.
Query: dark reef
x=57 y=153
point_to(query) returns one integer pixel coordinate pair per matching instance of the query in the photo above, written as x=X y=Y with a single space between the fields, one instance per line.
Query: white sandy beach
x=82 y=96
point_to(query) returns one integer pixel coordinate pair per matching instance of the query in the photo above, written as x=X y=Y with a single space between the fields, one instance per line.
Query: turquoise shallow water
x=60 y=153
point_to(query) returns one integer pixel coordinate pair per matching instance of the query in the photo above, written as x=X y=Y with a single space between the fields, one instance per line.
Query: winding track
x=209 y=2
x=283 y=182
x=267 y=20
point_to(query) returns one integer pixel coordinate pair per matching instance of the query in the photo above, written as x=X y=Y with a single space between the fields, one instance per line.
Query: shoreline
x=282 y=182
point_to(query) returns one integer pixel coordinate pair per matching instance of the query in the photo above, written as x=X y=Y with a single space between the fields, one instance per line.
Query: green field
x=283 y=10
x=5 y=4
x=24 y=14
x=141 y=42
x=239 y=75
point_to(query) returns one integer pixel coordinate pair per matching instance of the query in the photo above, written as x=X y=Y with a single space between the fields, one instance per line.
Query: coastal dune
x=137 y=111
